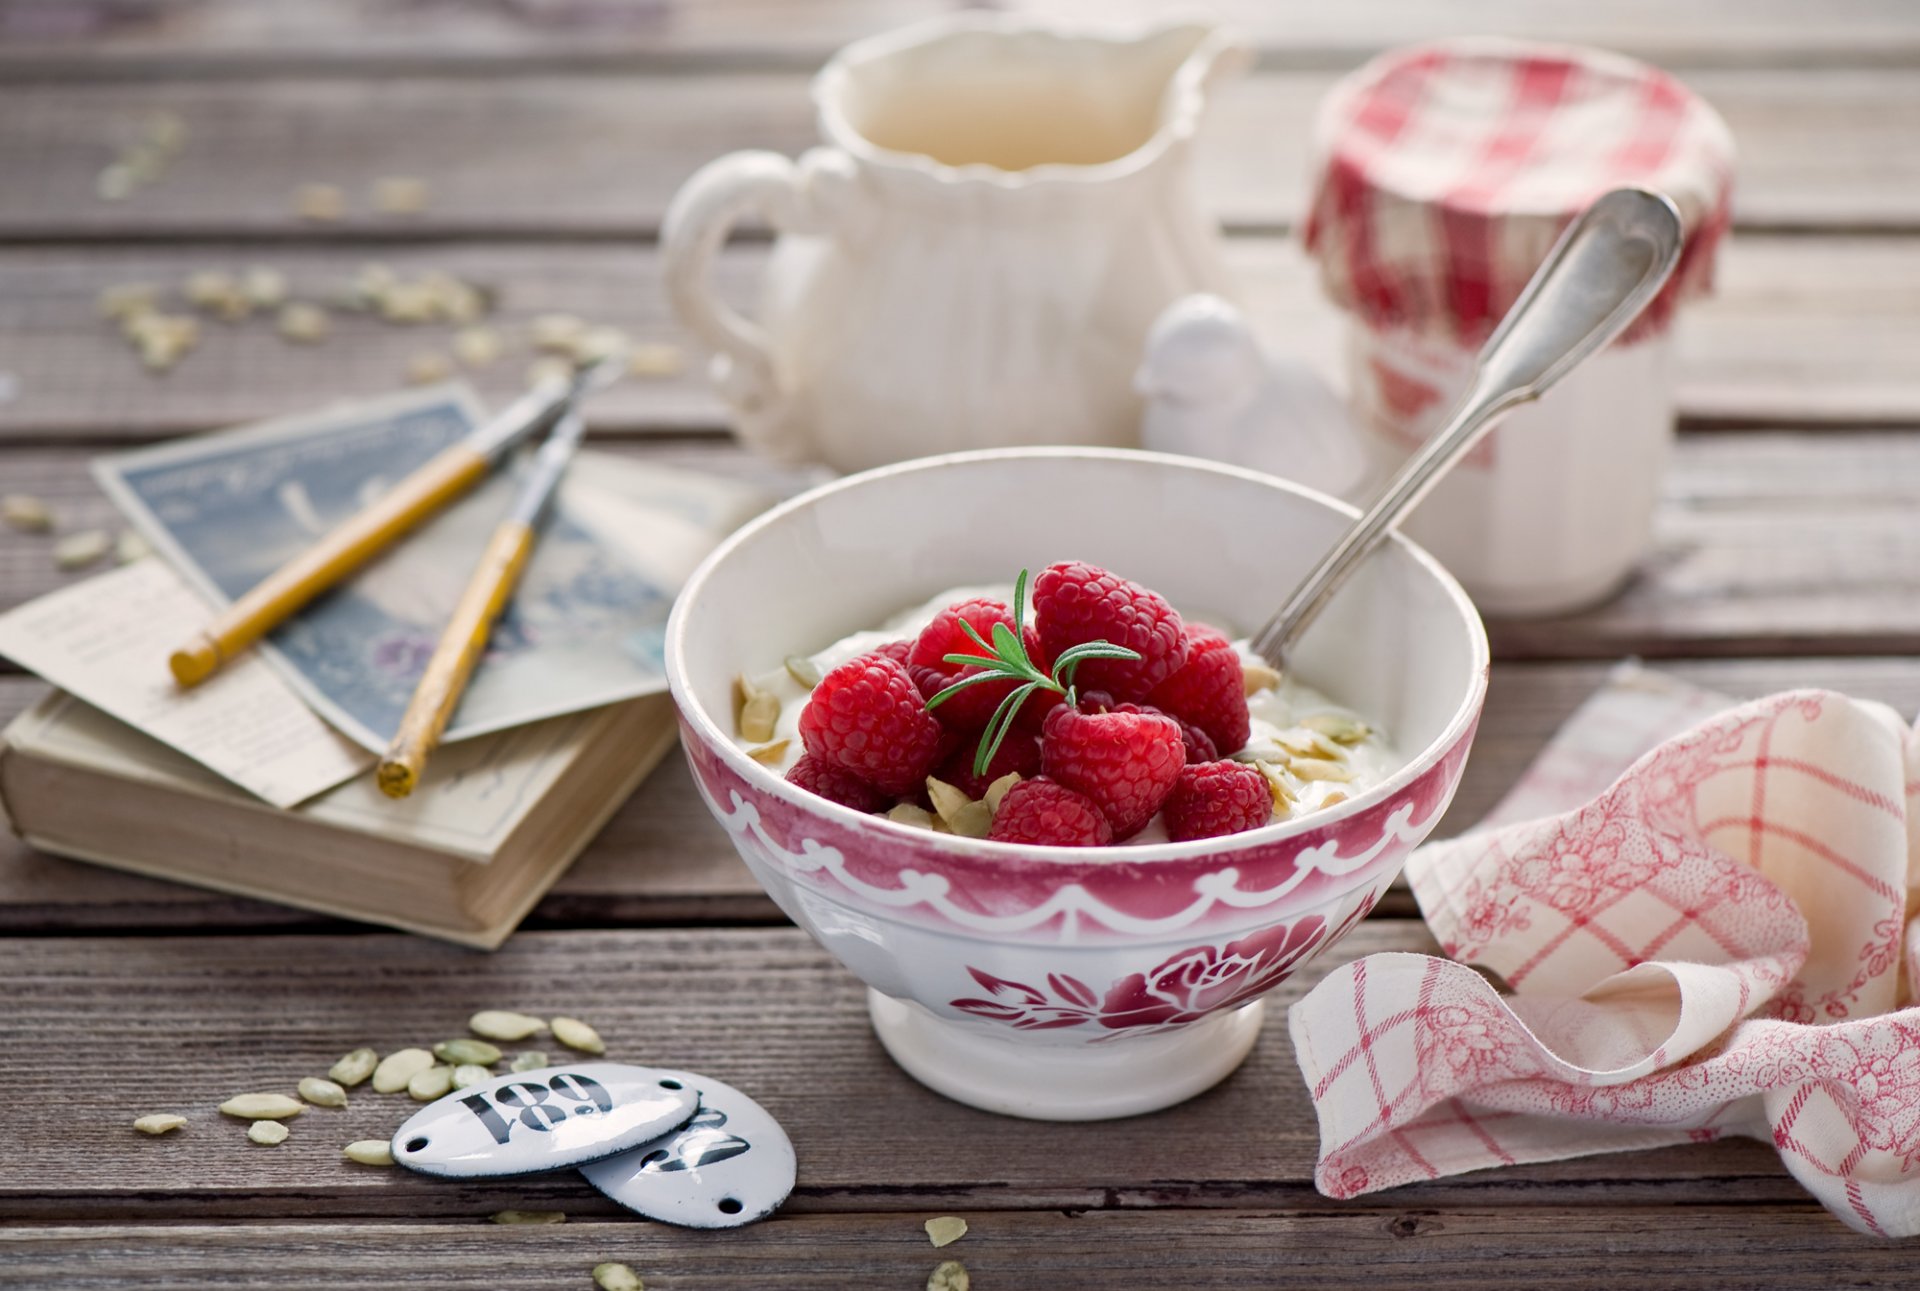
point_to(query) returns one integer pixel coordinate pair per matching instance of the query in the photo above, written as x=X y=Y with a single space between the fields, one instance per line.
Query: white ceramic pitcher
x=974 y=258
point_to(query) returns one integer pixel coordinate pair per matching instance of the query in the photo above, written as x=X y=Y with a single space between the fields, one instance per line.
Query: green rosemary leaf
x=1007 y=645
x=974 y=632
x=1020 y=606
x=978 y=660
x=960 y=685
x=998 y=727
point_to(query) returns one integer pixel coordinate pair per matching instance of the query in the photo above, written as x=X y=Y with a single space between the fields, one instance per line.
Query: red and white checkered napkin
x=1442 y=174
x=1711 y=946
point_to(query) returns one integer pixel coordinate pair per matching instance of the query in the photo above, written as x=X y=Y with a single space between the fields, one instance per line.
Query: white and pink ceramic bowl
x=1064 y=983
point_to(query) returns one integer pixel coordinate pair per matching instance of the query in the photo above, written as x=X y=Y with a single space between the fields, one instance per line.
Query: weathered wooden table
x=551 y=135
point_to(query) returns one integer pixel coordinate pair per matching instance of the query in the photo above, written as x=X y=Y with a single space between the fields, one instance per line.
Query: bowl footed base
x=1016 y=1077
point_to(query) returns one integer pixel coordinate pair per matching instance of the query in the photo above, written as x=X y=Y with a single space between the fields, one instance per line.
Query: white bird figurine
x=1214 y=391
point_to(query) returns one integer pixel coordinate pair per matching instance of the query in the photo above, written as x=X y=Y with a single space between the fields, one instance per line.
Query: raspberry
x=867 y=717
x=1040 y=811
x=1076 y=603
x=1216 y=798
x=1210 y=690
x=896 y=651
x=1199 y=745
x=1125 y=762
x=1017 y=753
x=970 y=710
x=835 y=785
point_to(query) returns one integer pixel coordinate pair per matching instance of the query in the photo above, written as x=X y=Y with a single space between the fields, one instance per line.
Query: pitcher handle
x=784 y=193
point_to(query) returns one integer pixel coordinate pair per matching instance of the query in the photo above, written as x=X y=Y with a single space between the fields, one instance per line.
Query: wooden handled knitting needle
x=450 y=473
x=465 y=637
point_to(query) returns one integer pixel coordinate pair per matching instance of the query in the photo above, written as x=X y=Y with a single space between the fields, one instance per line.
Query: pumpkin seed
x=130 y=546
x=400 y=195
x=557 y=333
x=470 y=1073
x=803 y=670
x=322 y=1093
x=656 y=361
x=502 y=1024
x=945 y=1229
x=998 y=790
x=322 y=203
x=1309 y=745
x=122 y=299
x=975 y=820
x=78 y=550
x=531 y=1060
x=947 y=800
x=907 y=814
x=408 y=303
x=549 y=368
x=159 y=1123
x=528 y=1217
x=772 y=754
x=425 y=368
x=1315 y=769
x=26 y=513
x=354 y=1067
x=756 y=711
x=1337 y=727
x=575 y=1034
x=115 y=183
x=369 y=1152
x=264 y=287
x=1278 y=785
x=616 y=1277
x=477 y=347
x=1258 y=676
x=398 y=1068
x=166 y=131
x=950 y=1275
x=303 y=323
x=456 y=1052
x=263 y=1107
x=267 y=1133
x=434 y=1082
x=597 y=343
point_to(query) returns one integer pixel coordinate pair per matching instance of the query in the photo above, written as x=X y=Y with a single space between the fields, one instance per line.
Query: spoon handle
x=1601 y=273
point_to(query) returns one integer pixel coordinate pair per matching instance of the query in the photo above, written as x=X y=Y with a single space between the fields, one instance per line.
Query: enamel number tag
x=544 y=1120
x=730 y=1165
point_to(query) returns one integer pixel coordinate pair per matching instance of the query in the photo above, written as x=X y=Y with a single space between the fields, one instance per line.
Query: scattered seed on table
x=531 y=1060
x=434 y=1082
x=398 y=1068
x=322 y=1093
x=616 y=1277
x=265 y=287
x=26 y=513
x=354 y=1067
x=159 y=1123
x=470 y=1073
x=575 y=1034
x=122 y=299
x=477 y=347
x=426 y=368
x=557 y=332
x=455 y=1052
x=597 y=343
x=263 y=1107
x=303 y=323
x=528 y=1217
x=400 y=195
x=78 y=550
x=944 y=1229
x=130 y=546
x=549 y=367
x=369 y=1152
x=115 y=183
x=950 y=1275
x=322 y=203
x=656 y=361
x=503 y=1024
x=267 y=1133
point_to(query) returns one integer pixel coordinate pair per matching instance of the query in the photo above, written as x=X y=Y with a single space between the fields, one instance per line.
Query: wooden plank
x=50 y=39
x=1353 y=1245
x=1765 y=544
x=601 y=155
x=1803 y=332
x=164 y=1023
x=661 y=862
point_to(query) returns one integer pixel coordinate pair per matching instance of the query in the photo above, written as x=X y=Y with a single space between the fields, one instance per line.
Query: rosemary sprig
x=1006 y=660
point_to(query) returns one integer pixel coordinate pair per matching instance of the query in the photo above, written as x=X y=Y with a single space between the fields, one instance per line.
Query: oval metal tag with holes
x=545 y=1119
x=730 y=1165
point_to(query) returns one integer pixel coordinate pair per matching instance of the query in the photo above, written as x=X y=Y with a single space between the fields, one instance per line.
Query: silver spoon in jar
x=1608 y=264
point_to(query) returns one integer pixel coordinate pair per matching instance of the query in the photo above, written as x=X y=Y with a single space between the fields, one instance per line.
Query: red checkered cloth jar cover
x=1714 y=945
x=1442 y=174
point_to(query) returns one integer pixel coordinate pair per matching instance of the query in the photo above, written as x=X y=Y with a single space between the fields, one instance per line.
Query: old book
x=463 y=859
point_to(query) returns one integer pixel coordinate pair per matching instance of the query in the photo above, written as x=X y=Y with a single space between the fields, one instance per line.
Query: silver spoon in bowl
x=1608 y=264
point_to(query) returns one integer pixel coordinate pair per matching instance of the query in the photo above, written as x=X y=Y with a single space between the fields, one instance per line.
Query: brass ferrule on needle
x=446 y=476
x=465 y=636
